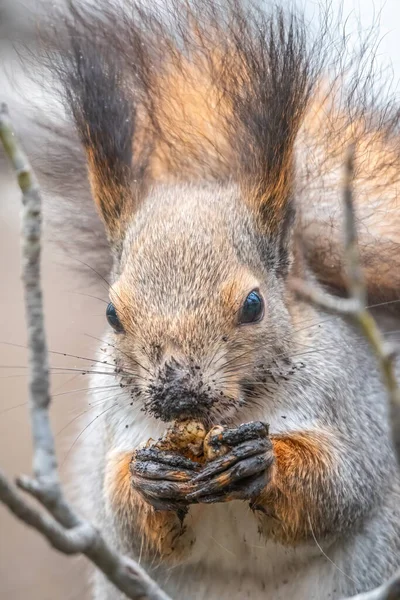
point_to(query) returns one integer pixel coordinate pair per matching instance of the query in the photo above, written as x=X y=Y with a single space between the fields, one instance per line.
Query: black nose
x=178 y=392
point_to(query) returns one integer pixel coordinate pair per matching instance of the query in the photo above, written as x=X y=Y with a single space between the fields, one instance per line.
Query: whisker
x=114 y=405
x=108 y=284
x=228 y=362
x=10 y=408
x=234 y=368
x=83 y=431
x=90 y=372
x=87 y=389
x=25 y=374
x=118 y=350
x=318 y=322
x=89 y=296
x=66 y=354
x=73 y=420
x=64 y=382
x=91 y=406
x=211 y=359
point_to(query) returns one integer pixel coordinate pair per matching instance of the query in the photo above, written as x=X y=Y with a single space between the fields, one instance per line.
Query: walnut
x=190 y=439
x=211 y=448
x=184 y=437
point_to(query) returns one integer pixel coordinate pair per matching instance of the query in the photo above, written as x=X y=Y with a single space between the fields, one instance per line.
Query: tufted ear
x=269 y=94
x=96 y=90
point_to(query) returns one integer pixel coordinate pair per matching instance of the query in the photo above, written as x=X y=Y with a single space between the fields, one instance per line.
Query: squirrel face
x=189 y=259
x=198 y=317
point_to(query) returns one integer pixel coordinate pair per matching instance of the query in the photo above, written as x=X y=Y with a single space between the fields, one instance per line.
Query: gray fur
x=338 y=392
x=192 y=234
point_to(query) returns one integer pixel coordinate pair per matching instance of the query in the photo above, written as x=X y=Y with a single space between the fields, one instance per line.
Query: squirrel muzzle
x=179 y=392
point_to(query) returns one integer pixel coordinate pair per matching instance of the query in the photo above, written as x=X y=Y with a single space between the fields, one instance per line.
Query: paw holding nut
x=189 y=466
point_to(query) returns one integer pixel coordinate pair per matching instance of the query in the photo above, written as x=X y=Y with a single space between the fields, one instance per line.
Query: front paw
x=163 y=478
x=242 y=472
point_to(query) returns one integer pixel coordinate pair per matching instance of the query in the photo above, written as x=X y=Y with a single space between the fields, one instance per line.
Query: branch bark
x=355 y=307
x=62 y=527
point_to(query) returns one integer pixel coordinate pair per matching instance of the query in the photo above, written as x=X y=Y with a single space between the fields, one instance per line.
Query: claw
x=248 y=467
x=244 y=450
x=154 y=470
x=161 y=489
x=170 y=459
x=251 y=490
x=243 y=433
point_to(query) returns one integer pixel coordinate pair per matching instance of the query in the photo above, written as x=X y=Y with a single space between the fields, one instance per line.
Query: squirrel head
x=198 y=298
x=198 y=303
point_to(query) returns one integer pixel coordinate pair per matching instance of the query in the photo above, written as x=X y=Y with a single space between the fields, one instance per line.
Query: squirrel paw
x=163 y=478
x=242 y=472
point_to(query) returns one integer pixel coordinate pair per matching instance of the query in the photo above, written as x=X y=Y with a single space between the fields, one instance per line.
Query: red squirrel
x=215 y=139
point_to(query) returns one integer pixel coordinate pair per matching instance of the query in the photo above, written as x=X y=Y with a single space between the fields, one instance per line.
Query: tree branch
x=355 y=308
x=62 y=527
x=355 y=305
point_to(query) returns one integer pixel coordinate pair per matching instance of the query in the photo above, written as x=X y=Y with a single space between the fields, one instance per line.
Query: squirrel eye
x=252 y=309
x=112 y=318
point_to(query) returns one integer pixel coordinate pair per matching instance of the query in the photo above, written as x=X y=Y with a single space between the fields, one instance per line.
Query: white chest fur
x=229 y=559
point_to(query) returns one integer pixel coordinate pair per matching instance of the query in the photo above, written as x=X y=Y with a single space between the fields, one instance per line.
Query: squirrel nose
x=178 y=391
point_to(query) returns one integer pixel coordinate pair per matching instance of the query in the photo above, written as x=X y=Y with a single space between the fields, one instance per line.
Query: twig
x=62 y=527
x=355 y=308
x=355 y=305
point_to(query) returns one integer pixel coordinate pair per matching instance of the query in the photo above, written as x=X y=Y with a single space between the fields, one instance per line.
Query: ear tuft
x=269 y=100
x=95 y=87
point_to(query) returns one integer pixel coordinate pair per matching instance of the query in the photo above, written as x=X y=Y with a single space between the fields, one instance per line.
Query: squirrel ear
x=274 y=213
x=269 y=193
x=269 y=94
x=95 y=88
x=270 y=196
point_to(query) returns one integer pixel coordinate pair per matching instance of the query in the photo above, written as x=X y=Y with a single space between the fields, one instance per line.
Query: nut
x=185 y=437
x=213 y=449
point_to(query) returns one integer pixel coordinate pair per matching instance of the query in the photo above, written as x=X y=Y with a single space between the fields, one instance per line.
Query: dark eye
x=252 y=309
x=112 y=318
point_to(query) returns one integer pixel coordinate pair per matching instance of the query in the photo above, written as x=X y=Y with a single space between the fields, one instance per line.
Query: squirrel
x=215 y=136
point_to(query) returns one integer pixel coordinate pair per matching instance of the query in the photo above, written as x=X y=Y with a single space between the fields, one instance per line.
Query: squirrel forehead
x=204 y=212
x=182 y=255
x=187 y=268
x=194 y=236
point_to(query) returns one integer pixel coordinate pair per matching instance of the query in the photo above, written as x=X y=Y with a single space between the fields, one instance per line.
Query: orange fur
x=302 y=464
x=194 y=122
x=159 y=531
x=324 y=138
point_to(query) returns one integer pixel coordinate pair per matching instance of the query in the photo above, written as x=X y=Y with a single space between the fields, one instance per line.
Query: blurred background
x=74 y=310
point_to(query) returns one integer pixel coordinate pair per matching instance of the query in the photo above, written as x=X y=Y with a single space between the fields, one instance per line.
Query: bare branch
x=63 y=528
x=69 y=541
x=44 y=458
x=316 y=295
x=355 y=307
x=355 y=277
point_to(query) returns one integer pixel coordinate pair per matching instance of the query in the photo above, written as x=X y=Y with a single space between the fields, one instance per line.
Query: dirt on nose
x=179 y=392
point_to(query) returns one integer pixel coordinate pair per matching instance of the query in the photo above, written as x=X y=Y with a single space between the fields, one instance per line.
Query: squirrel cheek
x=231 y=390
